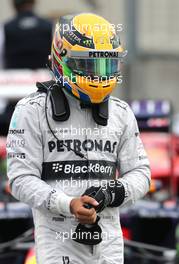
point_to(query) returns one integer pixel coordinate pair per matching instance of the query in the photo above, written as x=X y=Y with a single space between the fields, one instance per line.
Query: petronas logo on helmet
x=104 y=54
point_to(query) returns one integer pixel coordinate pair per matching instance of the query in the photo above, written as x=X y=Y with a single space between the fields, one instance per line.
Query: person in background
x=27 y=38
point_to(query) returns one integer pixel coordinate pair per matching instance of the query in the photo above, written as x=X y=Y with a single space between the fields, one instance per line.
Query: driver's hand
x=84 y=215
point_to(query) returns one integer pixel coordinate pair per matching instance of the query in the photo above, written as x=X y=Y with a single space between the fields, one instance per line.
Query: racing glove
x=110 y=195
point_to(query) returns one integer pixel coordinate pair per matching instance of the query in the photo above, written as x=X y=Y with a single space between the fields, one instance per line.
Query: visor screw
x=63 y=53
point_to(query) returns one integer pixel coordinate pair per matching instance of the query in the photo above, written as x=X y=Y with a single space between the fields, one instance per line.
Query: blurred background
x=150 y=84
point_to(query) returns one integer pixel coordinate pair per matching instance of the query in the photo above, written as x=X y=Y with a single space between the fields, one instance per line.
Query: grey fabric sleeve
x=24 y=162
x=133 y=162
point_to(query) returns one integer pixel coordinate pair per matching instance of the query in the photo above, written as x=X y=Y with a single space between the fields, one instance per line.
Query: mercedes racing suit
x=47 y=174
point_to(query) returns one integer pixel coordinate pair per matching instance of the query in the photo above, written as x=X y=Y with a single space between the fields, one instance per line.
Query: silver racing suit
x=47 y=174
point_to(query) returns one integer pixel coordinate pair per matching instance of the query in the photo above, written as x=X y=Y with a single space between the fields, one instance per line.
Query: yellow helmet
x=86 y=55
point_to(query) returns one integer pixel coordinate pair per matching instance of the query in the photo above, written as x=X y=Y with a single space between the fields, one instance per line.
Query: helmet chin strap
x=60 y=105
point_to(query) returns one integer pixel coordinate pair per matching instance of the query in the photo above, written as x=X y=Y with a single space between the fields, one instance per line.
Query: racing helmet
x=86 y=55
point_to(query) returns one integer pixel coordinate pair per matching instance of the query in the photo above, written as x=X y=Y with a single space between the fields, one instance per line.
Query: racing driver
x=74 y=151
